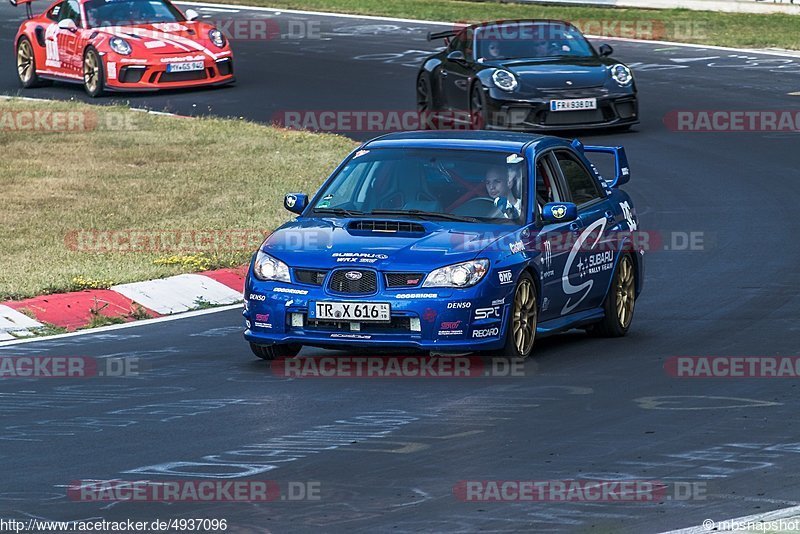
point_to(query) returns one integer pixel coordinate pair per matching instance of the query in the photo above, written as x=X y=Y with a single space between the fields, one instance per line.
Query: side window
x=468 y=44
x=546 y=183
x=459 y=42
x=582 y=186
x=71 y=10
x=55 y=11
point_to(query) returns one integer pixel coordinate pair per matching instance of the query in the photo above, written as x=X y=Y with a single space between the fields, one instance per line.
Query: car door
x=553 y=239
x=53 y=59
x=592 y=257
x=455 y=74
x=67 y=40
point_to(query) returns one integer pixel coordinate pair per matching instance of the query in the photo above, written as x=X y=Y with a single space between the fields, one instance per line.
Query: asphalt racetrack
x=585 y=408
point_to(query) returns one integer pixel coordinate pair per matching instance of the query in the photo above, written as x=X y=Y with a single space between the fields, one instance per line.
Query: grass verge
x=680 y=25
x=122 y=196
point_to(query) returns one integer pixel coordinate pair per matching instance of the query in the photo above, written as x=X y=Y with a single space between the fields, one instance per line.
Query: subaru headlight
x=120 y=46
x=464 y=274
x=217 y=38
x=621 y=74
x=504 y=80
x=268 y=268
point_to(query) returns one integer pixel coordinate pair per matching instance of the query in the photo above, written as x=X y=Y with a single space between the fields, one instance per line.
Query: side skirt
x=574 y=320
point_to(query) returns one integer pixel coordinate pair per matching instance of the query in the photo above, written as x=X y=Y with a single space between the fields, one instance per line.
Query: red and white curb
x=155 y=298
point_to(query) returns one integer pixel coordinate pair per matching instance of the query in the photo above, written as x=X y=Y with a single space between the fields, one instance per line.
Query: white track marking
x=143 y=322
x=783 y=53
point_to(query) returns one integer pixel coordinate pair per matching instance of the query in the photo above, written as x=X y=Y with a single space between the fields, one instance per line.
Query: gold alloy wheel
x=91 y=72
x=524 y=318
x=624 y=289
x=25 y=61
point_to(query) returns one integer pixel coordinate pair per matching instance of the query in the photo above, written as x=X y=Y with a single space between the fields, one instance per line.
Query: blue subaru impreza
x=450 y=241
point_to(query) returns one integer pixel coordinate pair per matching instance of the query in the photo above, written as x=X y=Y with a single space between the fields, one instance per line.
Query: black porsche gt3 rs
x=525 y=75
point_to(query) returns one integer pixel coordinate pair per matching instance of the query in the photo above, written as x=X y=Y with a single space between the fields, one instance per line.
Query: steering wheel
x=479 y=207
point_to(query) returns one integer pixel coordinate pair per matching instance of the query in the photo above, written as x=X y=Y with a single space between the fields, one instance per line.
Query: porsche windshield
x=460 y=185
x=130 y=12
x=530 y=41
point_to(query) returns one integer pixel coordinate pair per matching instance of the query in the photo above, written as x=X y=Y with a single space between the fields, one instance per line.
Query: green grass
x=161 y=175
x=703 y=27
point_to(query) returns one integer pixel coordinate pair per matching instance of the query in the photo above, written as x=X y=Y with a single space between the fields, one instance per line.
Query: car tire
x=478 y=116
x=93 y=73
x=620 y=301
x=26 y=64
x=425 y=104
x=521 y=331
x=275 y=352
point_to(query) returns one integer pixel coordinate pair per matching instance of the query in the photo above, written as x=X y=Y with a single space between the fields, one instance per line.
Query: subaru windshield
x=432 y=184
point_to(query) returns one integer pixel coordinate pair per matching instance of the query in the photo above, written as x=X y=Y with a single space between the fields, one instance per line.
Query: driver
x=500 y=186
x=139 y=12
x=494 y=50
x=541 y=48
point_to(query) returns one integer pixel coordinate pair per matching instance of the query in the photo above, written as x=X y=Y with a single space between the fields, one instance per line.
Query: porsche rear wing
x=447 y=34
x=27 y=3
x=621 y=169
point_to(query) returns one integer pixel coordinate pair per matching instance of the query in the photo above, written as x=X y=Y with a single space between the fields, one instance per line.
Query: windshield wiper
x=423 y=214
x=339 y=211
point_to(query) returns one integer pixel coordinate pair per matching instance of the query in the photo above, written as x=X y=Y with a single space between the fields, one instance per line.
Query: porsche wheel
x=620 y=301
x=521 y=331
x=26 y=64
x=275 y=352
x=477 y=108
x=93 y=78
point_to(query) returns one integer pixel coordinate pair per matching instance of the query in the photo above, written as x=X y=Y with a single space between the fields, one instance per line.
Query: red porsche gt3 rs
x=121 y=45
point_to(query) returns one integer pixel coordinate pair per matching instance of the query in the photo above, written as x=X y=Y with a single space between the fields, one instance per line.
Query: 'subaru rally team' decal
x=585 y=287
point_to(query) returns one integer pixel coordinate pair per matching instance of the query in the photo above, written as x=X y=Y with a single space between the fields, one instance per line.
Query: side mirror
x=295 y=202
x=605 y=50
x=456 y=55
x=558 y=212
x=68 y=24
x=191 y=15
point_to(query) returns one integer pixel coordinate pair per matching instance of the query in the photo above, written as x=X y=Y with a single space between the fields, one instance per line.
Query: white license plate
x=573 y=104
x=185 y=67
x=356 y=312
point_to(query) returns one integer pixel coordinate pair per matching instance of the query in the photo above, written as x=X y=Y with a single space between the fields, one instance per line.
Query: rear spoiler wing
x=447 y=34
x=622 y=170
x=27 y=3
